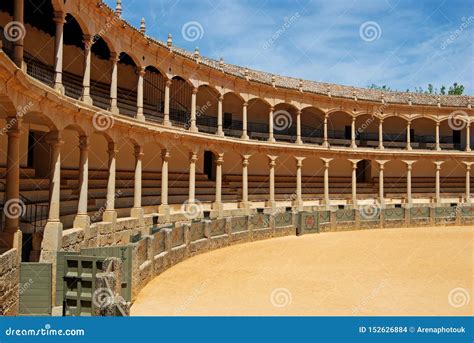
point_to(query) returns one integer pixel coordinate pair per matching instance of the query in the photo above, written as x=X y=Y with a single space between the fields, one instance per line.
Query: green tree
x=456 y=89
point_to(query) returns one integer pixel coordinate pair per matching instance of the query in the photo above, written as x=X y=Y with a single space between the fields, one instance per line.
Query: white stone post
x=245 y=186
x=468 y=182
x=381 y=147
x=438 y=183
x=325 y=133
x=193 y=127
x=166 y=114
x=381 y=182
x=114 y=58
x=271 y=195
x=409 y=188
x=244 y=121
x=165 y=157
x=137 y=210
x=468 y=137
x=82 y=219
x=271 y=137
x=298 y=128
x=354 y=181
x=353 y=133
x=110 y=215
x=141 y=73
x=408 y=136
x=327 y=200
x=437 y=144
x=298 y=202
x=218 y=200
x=86 y=82
x=59 y=19
x=220 y=131
x=193 y=156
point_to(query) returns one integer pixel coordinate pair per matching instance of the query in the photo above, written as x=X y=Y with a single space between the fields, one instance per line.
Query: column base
x=140 y=117
x=110 y=216
x=52 y=237
x=271 y=204
x=138 y=213
x=58 y=87
x=245 y=137
x=299 y=204
x=167 y=123
x=220 y=133
x=218 y=207
x=193 y=129
x=409 y=148
x=299 y=141
x=165 y=211
x=82 y=221
x=353 y=146
x=246 y=206
x=271 y=140
x=114 y=110
x=325 y=144
x=86 y=99
x=381 y=147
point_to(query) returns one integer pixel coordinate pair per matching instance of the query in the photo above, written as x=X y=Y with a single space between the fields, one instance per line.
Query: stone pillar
x=271 y=191
x=86 y=83
x=82 y=219
x=18 y=16
x=468 y=137
x=59 y=19
x=409 y=164
x=271 y=138
x=437 y=145
x=217 y=206
x=298 y=128
x=220 y=131
x=245 y=204
x=298 y=202
x=244 y=121
x=353 y=133
x=165 y=156
x=468 y=199
x=110 y=215
x=354 y=181
x=141 y=73
x=114 y=58
x=9 y=235
x=193 y=127
x=327 y=200
x=193 y=156
x=325 y=133
x=438 y=183
x=166 y=114
x=381 y=147
x=52 y=236
x=381 y=183
x=408 y=136
x=137 y=210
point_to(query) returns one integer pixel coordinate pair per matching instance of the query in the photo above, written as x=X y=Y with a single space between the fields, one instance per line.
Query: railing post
x=59 y=19
x=244 y=121
x=86 y=97
x=166 y=114
x=114 y=58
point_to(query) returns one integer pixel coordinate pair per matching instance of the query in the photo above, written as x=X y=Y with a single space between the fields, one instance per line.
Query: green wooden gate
x=35 y=289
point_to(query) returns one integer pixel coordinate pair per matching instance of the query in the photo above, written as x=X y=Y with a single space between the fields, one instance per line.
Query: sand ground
x=422 y=271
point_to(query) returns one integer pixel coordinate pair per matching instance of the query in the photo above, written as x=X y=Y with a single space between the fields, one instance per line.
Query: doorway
x=209 y=166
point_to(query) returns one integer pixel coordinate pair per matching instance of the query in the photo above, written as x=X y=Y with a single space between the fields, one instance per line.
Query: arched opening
x=424 y=133
x=180 y=101
x=153 y=94
x=127 y=85
x=312 y=125
x=339 y=128
x=395 y=132
x=73 y=58
x=284 y=122
x=101 y=73
x=257 y=114
x=367 y=130
x=232 y=116
x=206 y=109
x=453 y=133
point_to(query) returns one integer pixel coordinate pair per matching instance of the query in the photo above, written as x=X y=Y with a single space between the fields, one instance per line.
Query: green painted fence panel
x=467 y=212
x=260 y=220
x=218 y=227
x=197 y=231
x=394 y=213
x=308 y=222
x=324 y=217
x=420 y=212
x=35 y=288
x=345 y=215
x=445 y=212
x=283 y=219
x=239 y=224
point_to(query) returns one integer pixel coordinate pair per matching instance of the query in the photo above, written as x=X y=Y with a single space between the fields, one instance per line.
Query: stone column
x=10 y=237
x=193 y=127
x=271 y=138
x=438 y=183
x=166 y=114
x=408 y=136
x=114 y=58
x=381 y=183
x=326 y=200
x=245 y=204
x=217 y=206
x=165 y=156
x=298 y=128
x=271 y=195
x=220 y=131
x=86 y=83
x=52 y=236
x=468 y=137
x=298 y=202
x=59 y=19
x=137 y=210
x=468 y=199
x=437 y=145
x=82 y=219
x=110 y=215
x=193 y=156
x=353 y=133
x=381 y=147
x=354 y=181
x=325 y=133
x=244 y=121
x=18 y=14
x=141 y=73
x=409 y=190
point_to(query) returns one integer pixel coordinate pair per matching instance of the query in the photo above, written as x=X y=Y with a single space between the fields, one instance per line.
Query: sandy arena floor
x=422 y=271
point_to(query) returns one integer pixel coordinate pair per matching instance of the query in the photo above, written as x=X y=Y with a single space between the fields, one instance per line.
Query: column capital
x=246 y=104
x=468 y=164
x=114 y=57
x=438 y=164
x=354 y=162
x=272 y=109
x=245 y=159
x=84 y=142
x=220 y=98
x=59 y=17
x=138 y=151
x=382 y=162
x=141 y=71
x=193 y=156
x=298 y=111
x=326 y=161
x=409 y=162
x=13 y=126
x=272 y=160
x=438 y=123
x=168 y=82
x=299 y=161
x=165 y=154
x=195 y=90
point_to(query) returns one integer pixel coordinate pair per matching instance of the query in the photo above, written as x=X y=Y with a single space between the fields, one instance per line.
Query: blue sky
x=413 y=43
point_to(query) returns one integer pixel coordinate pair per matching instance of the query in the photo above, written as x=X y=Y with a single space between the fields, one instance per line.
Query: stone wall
x=9 y=283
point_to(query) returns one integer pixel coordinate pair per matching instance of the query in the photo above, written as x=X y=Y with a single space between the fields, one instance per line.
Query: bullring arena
x=139 y=178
